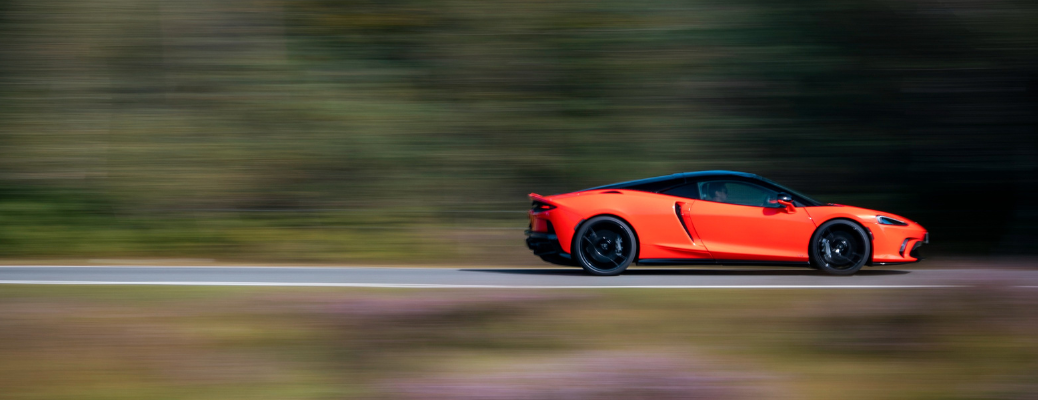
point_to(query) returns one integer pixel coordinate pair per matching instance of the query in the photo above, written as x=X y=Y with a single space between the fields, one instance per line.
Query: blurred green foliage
x=131 y=127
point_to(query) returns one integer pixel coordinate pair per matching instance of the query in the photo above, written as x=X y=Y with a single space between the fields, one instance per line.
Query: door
x=742 y=221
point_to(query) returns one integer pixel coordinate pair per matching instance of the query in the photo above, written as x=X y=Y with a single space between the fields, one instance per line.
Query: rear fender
x=652 y=217
x=564 y=219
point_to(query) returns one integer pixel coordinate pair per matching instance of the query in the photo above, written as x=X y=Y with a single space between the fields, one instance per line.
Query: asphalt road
x=511 y=278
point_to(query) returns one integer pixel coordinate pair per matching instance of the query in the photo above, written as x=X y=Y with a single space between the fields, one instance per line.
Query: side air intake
x=681 y=219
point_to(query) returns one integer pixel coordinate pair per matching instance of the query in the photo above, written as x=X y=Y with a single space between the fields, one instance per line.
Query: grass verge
x=259 y=343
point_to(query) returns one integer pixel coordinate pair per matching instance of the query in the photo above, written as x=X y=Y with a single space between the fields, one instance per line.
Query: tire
x=840 y=247
x=605 y=246
x=558 y=260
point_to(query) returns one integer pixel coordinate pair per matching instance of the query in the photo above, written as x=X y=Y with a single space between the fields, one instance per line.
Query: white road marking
x=474 y=286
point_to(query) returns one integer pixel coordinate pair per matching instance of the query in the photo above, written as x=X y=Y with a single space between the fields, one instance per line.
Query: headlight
x=882 y=220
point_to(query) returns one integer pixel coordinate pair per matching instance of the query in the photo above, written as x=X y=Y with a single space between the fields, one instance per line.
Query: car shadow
x=684 y=271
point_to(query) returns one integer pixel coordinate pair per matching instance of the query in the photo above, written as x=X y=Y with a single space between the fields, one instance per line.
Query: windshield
x=810 y=201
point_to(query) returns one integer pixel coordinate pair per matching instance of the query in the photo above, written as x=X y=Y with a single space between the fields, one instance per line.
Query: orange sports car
x=710 y=218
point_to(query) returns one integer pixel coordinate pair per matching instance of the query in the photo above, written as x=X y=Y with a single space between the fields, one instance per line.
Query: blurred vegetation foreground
x=115 y=343
x=401 y=131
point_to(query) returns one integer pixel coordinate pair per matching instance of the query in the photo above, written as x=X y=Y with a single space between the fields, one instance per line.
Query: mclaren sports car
x=711 y=218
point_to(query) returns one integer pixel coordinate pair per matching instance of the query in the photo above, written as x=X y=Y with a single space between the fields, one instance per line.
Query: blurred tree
x=925 y=109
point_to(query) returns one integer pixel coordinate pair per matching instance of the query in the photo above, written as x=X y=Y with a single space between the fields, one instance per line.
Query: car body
x=749 y=220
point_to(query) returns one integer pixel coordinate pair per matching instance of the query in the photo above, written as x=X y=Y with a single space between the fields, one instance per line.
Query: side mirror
x=787 y=201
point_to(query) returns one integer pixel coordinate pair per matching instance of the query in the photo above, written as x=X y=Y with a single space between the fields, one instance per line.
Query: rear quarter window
x=656 y=186
x=689 y=191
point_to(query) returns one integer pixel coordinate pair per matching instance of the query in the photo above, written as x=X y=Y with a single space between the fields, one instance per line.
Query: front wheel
x=840 y=248
x=605 y=246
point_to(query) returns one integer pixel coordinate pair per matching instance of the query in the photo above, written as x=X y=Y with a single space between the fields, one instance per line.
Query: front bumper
x=915 y=253
x=908 y=252
x=543 y=243
x=894 y=244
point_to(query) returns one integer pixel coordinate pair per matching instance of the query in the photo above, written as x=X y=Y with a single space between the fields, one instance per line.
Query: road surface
x=512 y=278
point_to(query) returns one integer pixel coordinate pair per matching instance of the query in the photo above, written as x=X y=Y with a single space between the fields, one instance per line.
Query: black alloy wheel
x=605 y=246
x=840 y=248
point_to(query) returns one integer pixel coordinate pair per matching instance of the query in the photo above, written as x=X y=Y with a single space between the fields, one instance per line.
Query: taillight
x=538 y=206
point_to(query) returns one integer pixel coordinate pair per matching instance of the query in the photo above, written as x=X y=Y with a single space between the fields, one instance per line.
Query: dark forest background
x=406 y=131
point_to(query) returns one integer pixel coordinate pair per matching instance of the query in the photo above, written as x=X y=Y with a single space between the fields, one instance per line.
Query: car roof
x=685 y=175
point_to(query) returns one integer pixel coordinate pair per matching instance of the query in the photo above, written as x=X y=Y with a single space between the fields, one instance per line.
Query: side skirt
x=896 y=262
x=699 y=261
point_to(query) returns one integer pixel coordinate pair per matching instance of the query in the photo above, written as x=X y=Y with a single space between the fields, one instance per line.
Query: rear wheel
x=605 y=246
x=840 y=248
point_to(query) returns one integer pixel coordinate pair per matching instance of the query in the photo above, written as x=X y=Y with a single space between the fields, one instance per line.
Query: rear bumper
x=543 y=243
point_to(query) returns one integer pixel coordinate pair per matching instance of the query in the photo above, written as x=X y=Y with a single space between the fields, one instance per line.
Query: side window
x=689 y=191
x=735 y=192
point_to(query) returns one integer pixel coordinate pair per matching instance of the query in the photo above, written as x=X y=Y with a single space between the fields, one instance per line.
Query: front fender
x=887 y=240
